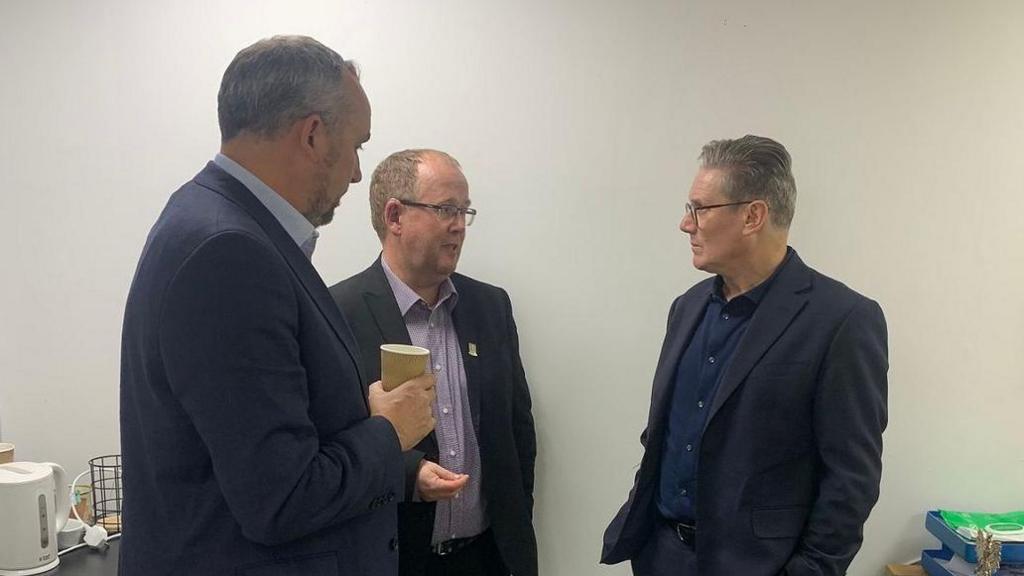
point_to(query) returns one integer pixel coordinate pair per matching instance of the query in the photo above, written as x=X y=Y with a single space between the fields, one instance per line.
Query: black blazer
x=247 y=442
x=499 y=402
x=790 y=460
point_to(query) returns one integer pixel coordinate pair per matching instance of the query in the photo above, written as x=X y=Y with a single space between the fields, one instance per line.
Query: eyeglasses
x=692 y=210
x=445 y=212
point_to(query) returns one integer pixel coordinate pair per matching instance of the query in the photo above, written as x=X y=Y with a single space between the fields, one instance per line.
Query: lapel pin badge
x=472 y=349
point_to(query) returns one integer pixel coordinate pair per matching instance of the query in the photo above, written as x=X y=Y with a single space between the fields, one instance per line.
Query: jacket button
x=393 y=545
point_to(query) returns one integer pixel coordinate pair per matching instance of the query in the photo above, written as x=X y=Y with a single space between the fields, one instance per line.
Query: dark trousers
x=665 y=554
x=479 y=558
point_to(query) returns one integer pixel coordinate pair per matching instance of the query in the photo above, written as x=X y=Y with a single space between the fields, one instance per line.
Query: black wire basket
x=106 y=491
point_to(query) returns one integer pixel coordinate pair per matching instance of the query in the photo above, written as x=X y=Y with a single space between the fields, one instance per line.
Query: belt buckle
x=685 y=532
x=444 y=548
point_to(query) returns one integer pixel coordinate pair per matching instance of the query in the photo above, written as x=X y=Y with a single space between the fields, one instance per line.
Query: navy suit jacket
x=499 y=403
x=790 y=459
x=248 y=447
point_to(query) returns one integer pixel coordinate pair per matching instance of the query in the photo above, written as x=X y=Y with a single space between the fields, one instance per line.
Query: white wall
x=578 y=123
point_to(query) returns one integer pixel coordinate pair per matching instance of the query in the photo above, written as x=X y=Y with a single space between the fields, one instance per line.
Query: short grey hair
x=397 y=176
x=755 y=168
x=279 y=80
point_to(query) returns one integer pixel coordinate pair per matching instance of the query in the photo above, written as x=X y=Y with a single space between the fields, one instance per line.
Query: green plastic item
x=1007 y=522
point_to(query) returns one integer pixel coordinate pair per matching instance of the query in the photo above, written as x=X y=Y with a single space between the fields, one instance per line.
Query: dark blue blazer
x=790 y=459
x=247 y=444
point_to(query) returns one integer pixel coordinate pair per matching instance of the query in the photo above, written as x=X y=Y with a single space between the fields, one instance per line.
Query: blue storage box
x=1013 y=552
x=930 y=558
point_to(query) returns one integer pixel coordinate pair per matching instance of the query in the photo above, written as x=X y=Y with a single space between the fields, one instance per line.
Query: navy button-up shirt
x=698 y=374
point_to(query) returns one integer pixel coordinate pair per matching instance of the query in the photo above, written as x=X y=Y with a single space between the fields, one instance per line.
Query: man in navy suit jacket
x=249 y=444
x=764 y=438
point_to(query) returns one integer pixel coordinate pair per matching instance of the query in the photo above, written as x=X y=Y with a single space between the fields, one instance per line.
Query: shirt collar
x=755 y=294
x=406 y=297
x=294 y=223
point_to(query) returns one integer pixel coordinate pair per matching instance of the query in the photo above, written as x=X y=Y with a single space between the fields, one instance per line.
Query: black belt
x=686 y=531
x=454 y=545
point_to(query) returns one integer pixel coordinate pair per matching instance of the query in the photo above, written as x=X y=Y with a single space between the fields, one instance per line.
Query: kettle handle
x=62 y=499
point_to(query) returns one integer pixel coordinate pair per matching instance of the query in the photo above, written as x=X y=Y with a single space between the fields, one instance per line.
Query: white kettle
x=34 y=506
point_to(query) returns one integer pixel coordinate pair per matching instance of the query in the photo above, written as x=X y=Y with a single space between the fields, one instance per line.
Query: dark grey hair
x=397 y=177
x=755 y=168
x=277 y=81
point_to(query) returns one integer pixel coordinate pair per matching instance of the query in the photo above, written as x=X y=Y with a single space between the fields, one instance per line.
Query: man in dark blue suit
x=764 y=438
x=249 y=444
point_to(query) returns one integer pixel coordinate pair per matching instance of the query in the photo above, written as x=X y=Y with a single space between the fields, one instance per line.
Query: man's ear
x=392 y=216
x=313 y=136
x=755 y=217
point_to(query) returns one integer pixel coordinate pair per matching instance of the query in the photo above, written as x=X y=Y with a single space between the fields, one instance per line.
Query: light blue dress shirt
x=293 y=222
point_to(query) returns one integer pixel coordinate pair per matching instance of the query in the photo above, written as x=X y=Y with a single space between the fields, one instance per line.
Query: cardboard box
x=905 y=570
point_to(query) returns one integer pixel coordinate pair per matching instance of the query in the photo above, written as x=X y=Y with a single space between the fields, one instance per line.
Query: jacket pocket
x=316 y=565
x=779 y=522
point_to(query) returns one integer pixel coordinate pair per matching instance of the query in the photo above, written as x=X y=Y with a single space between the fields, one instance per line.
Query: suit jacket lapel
x=680 y=331
x=463 y=316
x=380 y=300
x=216 y=179
x=783 y=301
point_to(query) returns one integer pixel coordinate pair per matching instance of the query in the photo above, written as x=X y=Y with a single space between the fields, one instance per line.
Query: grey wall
x=578 y=123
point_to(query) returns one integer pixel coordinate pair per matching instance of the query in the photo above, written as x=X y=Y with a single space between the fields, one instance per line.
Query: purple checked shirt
x=432 y=328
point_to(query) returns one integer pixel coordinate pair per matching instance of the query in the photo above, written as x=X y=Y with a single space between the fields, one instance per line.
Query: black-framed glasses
x=445 y=212
x=692 y=210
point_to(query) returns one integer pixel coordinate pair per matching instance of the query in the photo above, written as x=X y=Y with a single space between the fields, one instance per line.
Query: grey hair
x=279 y=80
x=755 y=168
x=397 y=176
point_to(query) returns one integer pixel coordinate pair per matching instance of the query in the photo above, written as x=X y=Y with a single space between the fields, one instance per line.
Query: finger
x=432 y=468
x=425 y=381
x=446 y=474
x=376 y=387
x=446 y=489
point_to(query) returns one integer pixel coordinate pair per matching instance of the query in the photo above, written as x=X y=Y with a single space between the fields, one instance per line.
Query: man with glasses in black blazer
x=469 y=485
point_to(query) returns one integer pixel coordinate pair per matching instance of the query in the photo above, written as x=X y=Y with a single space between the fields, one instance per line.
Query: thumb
x=445 y=474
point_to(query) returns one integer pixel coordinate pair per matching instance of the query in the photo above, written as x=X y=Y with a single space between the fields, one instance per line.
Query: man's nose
x=458 y=223
x=357 y=174
x=687 y=224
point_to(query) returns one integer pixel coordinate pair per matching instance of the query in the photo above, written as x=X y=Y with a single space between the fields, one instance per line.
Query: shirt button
x=711 y=360
x=437 y=367
x=689 y=447
x=444 y=410
x=451 y=452
x=700 y=404
x=683 y=492
x=725 y=316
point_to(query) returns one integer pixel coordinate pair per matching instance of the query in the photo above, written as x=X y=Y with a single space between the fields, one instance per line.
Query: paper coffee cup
x=401 y=362
x=6 y=452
